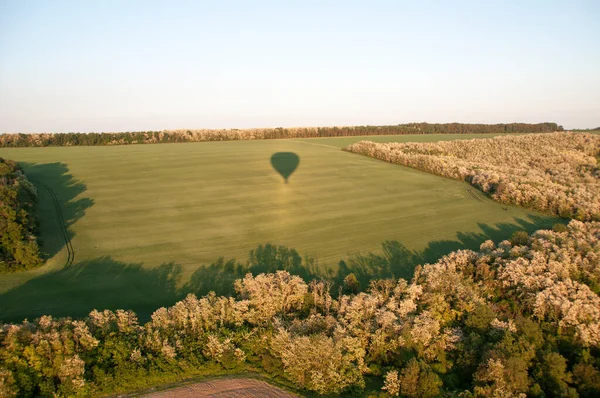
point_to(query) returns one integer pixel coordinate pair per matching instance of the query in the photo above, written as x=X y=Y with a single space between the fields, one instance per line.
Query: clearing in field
x=143 y=221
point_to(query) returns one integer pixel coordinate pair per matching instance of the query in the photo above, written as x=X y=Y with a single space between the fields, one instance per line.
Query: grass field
x=145 y=220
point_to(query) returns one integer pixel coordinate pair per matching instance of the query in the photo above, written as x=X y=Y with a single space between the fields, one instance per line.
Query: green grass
x=147 y=219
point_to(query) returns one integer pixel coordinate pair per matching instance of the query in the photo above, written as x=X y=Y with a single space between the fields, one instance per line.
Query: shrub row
x=151 y=137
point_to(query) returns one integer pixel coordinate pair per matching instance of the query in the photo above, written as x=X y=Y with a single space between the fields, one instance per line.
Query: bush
x=519 y=238
x=351 y=284
x=558 y=227
x=18 y=225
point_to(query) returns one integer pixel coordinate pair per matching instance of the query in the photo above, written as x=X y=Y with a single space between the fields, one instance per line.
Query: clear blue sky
x=140 y=65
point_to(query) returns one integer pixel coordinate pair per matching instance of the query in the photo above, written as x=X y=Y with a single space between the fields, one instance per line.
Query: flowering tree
x=512 y=319
x=556 y=172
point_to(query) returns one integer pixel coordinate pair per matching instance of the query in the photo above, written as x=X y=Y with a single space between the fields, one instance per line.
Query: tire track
x=473 y=195
x=61 y=225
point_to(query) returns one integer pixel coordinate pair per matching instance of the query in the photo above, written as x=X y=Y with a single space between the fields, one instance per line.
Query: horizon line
x=282 y=127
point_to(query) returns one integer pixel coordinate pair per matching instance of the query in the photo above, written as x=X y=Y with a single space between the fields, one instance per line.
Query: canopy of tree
x=513 y=319
x=18 y=245
x=556 y=173
x=151 y=137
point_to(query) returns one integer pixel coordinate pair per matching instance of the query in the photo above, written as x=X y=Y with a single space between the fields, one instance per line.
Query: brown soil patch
x=224 y=388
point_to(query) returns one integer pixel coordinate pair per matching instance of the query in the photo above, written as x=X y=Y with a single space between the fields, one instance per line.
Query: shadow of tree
x=104 y=283
x=399 y=262
x=395 y=261
x=217 y=277
x=220 y=275
x=101 y=283
x=65 y=189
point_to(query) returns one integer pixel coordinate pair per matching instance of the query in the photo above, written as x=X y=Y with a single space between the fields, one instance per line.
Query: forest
x=513 y=319
x=556 y=173
x=152 y=137
x=19 y=248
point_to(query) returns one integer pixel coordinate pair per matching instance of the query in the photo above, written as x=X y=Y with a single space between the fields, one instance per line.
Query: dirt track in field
x=246 y=388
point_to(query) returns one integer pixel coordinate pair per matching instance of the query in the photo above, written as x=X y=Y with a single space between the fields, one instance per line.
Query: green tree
x=519 y=238
x=419 y=381
x=351 y=284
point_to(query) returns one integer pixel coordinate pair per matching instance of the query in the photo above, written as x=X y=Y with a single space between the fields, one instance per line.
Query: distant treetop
x=153 y=137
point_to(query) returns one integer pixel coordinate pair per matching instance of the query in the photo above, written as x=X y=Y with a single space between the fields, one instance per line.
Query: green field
x=145 y=221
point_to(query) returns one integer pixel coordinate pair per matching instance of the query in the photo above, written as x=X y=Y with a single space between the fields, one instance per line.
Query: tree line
x=556 y=173
x=18 y=224
x=516 y=318
x=151 y=137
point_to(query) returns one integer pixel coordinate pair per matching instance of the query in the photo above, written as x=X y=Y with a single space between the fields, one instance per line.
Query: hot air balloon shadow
x=285 y=163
